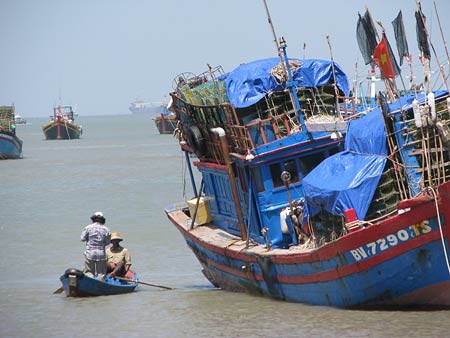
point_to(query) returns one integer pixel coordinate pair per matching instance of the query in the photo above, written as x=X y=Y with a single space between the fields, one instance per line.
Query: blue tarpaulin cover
x=349 y=179
x=250 y=82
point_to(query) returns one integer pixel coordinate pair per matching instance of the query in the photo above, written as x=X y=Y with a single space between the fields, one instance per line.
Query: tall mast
x=284 y=61
x=275 y=38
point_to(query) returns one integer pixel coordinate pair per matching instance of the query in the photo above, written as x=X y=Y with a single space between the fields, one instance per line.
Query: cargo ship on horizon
x=145 y=107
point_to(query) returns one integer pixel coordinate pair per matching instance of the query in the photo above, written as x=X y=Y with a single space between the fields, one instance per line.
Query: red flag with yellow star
x=382 y=59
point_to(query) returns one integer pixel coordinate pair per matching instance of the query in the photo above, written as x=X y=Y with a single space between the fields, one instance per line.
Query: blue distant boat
x=10 y=143
x=77 y=284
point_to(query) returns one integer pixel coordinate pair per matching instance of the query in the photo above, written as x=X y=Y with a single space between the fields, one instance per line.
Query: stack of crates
x=203 y=213
x=6 y=117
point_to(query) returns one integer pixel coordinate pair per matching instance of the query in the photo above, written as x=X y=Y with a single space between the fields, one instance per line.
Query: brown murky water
x=123 y=167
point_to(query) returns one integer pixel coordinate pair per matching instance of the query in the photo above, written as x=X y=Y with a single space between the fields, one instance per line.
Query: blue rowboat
x=77 y=284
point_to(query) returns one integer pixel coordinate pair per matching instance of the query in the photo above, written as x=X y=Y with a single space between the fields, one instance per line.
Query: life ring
x=196 y=140
x=73 y=271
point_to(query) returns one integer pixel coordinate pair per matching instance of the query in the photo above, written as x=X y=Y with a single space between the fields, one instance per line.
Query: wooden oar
x=145 y=283
x=58 y=291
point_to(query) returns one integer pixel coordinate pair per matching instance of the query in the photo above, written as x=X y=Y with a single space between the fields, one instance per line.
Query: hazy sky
x=99 y=55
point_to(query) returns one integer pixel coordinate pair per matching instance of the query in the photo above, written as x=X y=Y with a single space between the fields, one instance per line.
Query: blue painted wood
x=79 y=285
x=10 y=146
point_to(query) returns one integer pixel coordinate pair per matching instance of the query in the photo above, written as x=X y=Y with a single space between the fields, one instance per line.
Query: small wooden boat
x=166 y=122
x=76 y=284
x=61 y=125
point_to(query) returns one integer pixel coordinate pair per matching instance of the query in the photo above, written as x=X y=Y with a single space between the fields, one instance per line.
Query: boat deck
x=210 y=234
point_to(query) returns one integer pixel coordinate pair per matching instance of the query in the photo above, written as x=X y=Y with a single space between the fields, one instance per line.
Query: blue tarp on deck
x=250 y=82
x=349 y=179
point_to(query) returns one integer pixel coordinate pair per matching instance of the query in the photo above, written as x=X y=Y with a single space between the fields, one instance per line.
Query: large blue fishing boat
x=304 y=196
x=10 y=143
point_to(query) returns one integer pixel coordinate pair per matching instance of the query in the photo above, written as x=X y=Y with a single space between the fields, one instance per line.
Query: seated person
x=118 y=258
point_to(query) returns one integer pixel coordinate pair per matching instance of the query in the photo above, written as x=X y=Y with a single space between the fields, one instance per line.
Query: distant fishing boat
x=144 y=107
x=62 y=125
x=76 y=284
x=306 y=197
x=166 y=122
x=20 y=120
x=10 y=143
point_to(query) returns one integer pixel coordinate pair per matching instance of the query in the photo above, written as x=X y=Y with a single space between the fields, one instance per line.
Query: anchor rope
x=67 y=130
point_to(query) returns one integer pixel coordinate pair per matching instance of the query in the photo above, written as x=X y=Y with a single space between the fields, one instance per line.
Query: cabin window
x=277 y=168
x=258 y=179
x=275 y=172
x=308 y=163
x=291 y=167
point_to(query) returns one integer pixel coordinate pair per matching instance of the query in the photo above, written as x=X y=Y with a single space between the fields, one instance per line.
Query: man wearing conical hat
x=118 y=257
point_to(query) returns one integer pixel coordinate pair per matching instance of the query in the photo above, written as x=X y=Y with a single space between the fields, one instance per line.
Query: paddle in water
x=145 y=283
x=58 y=291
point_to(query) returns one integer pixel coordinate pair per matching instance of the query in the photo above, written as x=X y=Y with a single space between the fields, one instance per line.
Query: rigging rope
x=440 y=228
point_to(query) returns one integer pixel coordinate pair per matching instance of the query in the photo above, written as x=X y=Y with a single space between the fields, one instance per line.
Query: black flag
x=365 y=35
x=400 y=37
x=395 y=65
x=422 y=39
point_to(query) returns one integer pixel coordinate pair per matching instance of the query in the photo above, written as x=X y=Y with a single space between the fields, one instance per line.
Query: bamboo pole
x=336 y=91
x=441 y=70
x=442 y=34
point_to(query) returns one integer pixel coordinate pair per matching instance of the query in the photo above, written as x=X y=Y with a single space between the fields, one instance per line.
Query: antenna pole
x=275 y=39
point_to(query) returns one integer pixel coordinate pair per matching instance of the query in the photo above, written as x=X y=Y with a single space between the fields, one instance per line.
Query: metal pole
x=191 y=174
x=291 y=85
x=197 y=204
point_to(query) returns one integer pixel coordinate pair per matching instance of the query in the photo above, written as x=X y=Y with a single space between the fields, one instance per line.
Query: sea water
x=123 y=167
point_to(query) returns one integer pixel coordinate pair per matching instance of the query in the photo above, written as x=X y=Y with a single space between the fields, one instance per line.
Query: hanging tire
x=196 y=140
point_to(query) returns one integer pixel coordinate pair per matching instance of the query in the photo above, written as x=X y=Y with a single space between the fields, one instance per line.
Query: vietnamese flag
x=382 y=59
